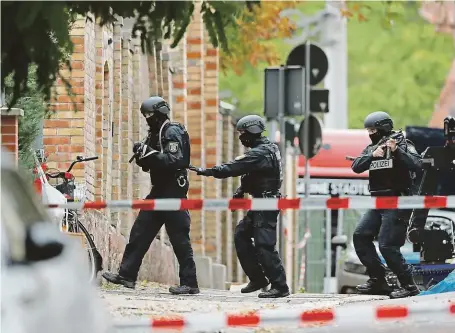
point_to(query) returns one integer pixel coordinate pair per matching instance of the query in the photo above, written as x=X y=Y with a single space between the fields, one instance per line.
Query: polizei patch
x=173 y=147
x=381 y=164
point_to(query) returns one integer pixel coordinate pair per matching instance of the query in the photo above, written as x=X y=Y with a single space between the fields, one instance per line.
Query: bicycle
x=71 y=223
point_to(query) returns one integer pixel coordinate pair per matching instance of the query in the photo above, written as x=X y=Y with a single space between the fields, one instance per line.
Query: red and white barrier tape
x=349 y=315
x=315 y=203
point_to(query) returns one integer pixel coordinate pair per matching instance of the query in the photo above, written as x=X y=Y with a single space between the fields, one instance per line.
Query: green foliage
x=38 y=32
x=33 y=32
x=400 y=70
x=247 y=89
x=397 y=63
x=34 y=108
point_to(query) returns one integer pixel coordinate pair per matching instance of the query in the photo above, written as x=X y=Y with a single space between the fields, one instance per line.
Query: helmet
x=155 y=104
x=379 y=120
x=252 y=124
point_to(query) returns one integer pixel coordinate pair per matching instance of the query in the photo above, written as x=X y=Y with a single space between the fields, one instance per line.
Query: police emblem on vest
x=381 y=164
x=173 y=147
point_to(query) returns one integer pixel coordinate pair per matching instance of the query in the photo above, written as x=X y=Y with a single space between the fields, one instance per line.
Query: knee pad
x=386 y=249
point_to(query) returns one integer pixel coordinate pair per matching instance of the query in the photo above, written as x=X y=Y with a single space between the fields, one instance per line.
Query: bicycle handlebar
x=89 y=159
x=81 y=159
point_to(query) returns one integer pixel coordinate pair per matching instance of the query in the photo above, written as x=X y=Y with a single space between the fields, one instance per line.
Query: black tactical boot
x=254 y=286
x=274 y=293
x=405 y=291
x=407 y=288
x=184 y=290
x=118 y=279
x=374 y=287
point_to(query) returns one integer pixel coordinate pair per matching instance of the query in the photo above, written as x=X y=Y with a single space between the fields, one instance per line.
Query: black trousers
x=147 y=226
x=261 y=259
x=390 y=228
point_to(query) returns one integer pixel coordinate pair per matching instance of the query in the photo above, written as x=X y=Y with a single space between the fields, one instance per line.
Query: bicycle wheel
x=93 y=255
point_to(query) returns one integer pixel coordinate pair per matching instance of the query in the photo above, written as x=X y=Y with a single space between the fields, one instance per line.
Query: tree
x=399 y=67
x=37 y=32
x=34 y=107
x=250 y=40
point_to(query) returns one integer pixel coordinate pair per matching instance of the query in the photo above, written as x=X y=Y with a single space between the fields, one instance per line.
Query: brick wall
x=9 y=128
x=195 y=110
x=111 y=77
x=212 y=140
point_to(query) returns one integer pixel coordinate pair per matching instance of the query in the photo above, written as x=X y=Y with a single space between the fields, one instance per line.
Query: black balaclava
x=156 y=121
x=248 y=139
x=375 y=137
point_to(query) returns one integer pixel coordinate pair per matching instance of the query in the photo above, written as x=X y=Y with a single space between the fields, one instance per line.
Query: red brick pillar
x=196 y=120
x=178 y=87
x=117 y=132
x=10 y=130
x=127 y=129
x=212 y=145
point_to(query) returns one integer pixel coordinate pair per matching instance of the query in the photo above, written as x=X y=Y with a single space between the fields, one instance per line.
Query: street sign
x=294 y=79
x=315 y=136
x=290 y=131
x=319 y=100
x=319 y=64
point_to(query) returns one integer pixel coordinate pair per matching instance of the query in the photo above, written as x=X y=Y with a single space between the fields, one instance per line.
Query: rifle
x=139 y=150
x=380 y=143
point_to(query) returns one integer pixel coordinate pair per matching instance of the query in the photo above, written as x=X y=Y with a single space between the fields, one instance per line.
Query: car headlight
x=354 y=268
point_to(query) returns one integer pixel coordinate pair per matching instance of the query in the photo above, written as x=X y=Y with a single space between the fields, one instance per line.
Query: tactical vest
x=157 y=143
x=389 y=177
x=268 y=177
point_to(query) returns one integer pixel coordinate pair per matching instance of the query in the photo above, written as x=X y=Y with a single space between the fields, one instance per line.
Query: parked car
x=43 y=271
x=351 y=272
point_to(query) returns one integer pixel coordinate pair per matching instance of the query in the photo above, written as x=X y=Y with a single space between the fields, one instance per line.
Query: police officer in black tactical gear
x=391 y=176
x=165 y=153
x=262 y=176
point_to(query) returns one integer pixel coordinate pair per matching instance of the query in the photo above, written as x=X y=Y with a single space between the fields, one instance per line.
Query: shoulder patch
x=240 y=157
x=173 y=147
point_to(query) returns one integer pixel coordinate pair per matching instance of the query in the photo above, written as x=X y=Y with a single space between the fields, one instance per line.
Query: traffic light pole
x=282 y=124
x=306 y=125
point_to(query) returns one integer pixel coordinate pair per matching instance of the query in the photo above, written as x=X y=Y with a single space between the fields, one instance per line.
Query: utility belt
x=180 y=176
x=389 y=193
x=266 y=194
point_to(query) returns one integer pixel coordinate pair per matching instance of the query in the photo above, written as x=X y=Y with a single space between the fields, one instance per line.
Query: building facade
x=110 y=78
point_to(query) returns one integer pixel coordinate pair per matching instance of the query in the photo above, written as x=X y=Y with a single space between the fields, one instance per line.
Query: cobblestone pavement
x=153 y=299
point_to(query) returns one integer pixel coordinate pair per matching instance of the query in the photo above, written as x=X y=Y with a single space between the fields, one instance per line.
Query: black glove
x=238 y=194
x=136 y=147
x=201 y=171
